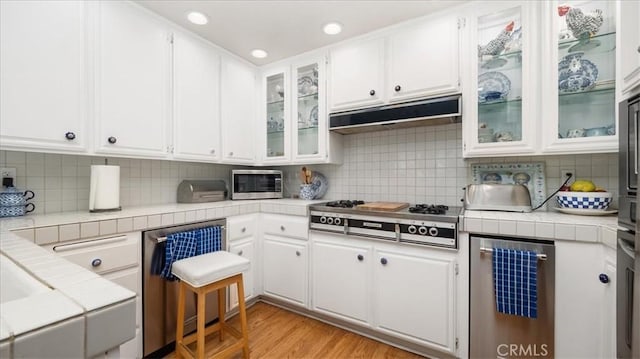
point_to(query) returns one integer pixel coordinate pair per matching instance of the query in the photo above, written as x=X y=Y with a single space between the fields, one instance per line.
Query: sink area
x=15 y=283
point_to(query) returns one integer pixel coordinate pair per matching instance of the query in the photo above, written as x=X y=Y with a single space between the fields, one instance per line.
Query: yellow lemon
x=583 y=186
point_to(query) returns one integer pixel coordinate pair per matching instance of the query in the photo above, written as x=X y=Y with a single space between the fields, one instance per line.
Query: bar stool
x=203 y=274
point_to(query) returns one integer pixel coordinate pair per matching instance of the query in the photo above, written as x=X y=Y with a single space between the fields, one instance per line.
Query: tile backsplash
x=61 y=182
x=425 y=165
x=416 y=165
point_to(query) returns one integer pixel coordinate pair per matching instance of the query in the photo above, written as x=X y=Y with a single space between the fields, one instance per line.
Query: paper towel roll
x=105 y=188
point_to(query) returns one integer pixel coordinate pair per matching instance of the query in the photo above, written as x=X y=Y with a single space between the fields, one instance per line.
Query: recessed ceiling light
x=197 y=18
x=259 y=53
x=332 y=28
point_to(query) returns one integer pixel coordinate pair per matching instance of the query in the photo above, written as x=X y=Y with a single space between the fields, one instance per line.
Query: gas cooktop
x=422 y=211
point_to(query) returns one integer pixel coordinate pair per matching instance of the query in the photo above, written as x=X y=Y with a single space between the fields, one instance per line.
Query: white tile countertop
x=543 y=224
x=77 y=299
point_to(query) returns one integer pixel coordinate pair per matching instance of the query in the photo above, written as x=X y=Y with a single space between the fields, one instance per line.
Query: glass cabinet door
x=307 y=110
x=586 y=42
x=500 y=76
x=275 y=115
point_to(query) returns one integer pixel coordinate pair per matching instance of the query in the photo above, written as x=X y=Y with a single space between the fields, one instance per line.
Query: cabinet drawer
x=289 y=226
x=240 y=227
x=102 y=255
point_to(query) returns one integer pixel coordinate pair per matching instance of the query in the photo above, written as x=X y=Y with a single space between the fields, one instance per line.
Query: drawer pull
x=96 y=262
x=240 y=253
x=298 y=253
x=383 y=261
x=244 y=229
x=282 y=228
x=90 y=243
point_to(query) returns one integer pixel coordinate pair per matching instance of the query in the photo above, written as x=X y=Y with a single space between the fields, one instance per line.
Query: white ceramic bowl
x=584 y=200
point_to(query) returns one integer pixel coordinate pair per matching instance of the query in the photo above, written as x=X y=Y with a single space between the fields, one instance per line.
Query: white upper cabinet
x=276 y=122
x=411 y=62
x=43 y=72
x=629 y=13
x=132 y=81
x=238 y=111
x=357 y=74
x=499 y=74
x=423 y=60
x=196 y=84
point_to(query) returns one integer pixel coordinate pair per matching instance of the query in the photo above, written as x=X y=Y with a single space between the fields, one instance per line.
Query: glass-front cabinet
x=276 y=114
x=581 y=89
x=499 y=100
x=295 y=112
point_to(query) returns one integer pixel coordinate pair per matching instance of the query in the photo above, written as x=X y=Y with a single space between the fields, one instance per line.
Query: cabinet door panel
x=42 y=74
x=245 y=250
x=340 y=280
x=630 y=44
x=414 y=298
x=424 y=60
x=285 y=270
x=238 y=96
x=132 y=81
x=196 y=99
x=357 y=71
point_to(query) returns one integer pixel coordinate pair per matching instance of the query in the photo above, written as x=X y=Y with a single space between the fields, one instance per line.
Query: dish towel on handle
x=188 y=244
x=515 y=279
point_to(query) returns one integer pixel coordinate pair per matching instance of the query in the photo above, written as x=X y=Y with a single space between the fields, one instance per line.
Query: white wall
x=425 y=165
x=61 y=182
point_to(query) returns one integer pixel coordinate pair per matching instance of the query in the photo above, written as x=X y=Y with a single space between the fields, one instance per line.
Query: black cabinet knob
x=383 y=261
x=112 y=140
x=360 y=257
x=70 y=136
x=397 y=88
x=96 y=262
x=372 y=92
x=604 y=278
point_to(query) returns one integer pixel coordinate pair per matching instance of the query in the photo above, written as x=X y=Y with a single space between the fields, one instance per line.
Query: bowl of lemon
x=584 y=194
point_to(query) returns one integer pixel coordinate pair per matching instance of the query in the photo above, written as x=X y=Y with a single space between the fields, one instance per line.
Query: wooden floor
x=277 y=333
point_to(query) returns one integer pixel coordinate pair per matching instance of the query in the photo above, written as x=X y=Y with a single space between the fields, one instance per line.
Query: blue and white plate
x=576 y=74
x=493 y=86
x=319 y=185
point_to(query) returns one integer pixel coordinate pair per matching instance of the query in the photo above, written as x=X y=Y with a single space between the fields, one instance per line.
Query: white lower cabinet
x=584 y=319
x=403 y=291
x=245 y=249
x=118 y=259
x=340 y=277
x=414 y=295
x=285 y=269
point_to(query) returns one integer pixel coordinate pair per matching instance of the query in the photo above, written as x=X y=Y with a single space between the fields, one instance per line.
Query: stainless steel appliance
x=160 y=297
x=493 y=334
x=433 y=225
x=628 y=255
x=198 y=191
x=497 y=197
x=256 y=184
x=433 y=111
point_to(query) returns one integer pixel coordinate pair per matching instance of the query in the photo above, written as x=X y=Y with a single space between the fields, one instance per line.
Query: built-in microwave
x=256 y=184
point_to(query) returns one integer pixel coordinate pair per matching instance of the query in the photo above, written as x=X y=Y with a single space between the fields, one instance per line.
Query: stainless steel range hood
x=435 y=111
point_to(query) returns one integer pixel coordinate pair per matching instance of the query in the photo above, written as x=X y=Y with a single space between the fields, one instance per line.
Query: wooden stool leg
x=221 y=311
x=180 y=320
x=243 y=319
x=201 y=319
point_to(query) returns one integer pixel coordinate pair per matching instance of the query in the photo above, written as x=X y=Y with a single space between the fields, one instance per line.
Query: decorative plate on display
x=493 y=86
x=319 y=185
x=576 y=74
x=306 y=86
x=586 y=212
x=528 y=174
x=313 y=116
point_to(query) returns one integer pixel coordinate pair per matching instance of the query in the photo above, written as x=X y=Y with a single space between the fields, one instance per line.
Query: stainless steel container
x=199 y=191
x=497 y=197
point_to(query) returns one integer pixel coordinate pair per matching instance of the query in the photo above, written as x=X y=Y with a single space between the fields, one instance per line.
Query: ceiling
x=287 y=28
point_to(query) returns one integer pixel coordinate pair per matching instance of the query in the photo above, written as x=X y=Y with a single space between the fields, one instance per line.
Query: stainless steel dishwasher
x=493 y=334
x=160 y=297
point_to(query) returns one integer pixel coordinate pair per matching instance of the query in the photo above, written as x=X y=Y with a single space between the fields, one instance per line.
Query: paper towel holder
x=104 y=193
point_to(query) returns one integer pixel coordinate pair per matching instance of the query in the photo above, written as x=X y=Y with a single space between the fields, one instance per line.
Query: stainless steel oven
x=628 y=257
x=256 y=184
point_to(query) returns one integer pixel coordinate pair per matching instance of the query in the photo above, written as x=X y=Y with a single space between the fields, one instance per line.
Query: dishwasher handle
x=541 y=256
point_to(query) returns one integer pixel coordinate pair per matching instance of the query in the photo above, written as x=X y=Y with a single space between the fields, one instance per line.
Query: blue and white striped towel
x=188 y=244
x=515 y=279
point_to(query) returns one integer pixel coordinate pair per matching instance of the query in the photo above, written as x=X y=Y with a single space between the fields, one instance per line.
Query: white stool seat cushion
x=207 y=268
